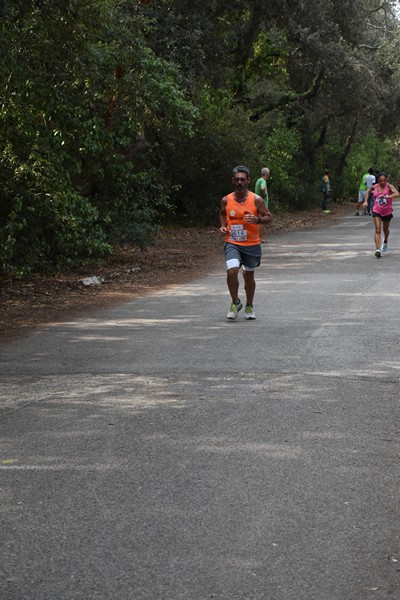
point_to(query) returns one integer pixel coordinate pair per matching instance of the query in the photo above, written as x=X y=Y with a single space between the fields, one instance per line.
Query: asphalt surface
x=157 y=451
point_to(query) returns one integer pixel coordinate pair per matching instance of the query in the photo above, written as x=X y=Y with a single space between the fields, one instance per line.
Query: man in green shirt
x=261 y=189
x=367 y=181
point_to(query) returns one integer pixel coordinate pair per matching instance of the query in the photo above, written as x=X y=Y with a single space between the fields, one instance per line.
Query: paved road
x=156 y=451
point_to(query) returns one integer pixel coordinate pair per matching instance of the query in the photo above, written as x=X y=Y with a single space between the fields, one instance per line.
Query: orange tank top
x=239 y=231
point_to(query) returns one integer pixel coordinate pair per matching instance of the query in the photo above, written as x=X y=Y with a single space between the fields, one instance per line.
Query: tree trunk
x=346 y=150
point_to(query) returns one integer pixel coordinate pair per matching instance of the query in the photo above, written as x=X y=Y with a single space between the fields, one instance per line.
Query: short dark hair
x=241 y=169
x=371 y=171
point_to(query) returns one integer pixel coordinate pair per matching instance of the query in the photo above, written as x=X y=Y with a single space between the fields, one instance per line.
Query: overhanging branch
x=286 y=99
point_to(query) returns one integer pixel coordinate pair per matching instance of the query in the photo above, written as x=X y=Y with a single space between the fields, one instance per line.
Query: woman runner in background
x=382 y=211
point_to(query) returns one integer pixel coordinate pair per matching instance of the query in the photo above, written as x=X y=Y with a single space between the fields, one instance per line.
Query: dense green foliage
x=118 y=116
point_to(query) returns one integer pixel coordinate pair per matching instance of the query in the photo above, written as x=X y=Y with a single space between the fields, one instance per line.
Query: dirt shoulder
x=179 y=255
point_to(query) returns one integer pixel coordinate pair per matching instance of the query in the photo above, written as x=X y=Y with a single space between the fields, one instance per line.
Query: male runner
x=241 y=214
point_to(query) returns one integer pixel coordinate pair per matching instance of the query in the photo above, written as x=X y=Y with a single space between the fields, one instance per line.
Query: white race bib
x=238 y=233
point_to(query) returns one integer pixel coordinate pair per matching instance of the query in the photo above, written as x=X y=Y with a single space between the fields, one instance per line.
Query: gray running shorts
x=247 y=256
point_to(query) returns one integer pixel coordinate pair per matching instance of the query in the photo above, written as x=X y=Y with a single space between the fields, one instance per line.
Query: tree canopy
x=116 y=117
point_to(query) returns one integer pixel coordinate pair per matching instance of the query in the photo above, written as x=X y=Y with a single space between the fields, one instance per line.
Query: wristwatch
x=259 y=221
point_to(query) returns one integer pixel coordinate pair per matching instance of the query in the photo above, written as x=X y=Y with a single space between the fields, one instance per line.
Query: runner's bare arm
x=263 y=213
x=394 y=192
x=222 y=216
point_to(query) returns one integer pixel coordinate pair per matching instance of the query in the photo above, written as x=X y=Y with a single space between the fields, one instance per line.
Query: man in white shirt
x=369 y=182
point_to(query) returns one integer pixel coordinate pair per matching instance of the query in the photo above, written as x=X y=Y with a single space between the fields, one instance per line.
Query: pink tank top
x=382 y=206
